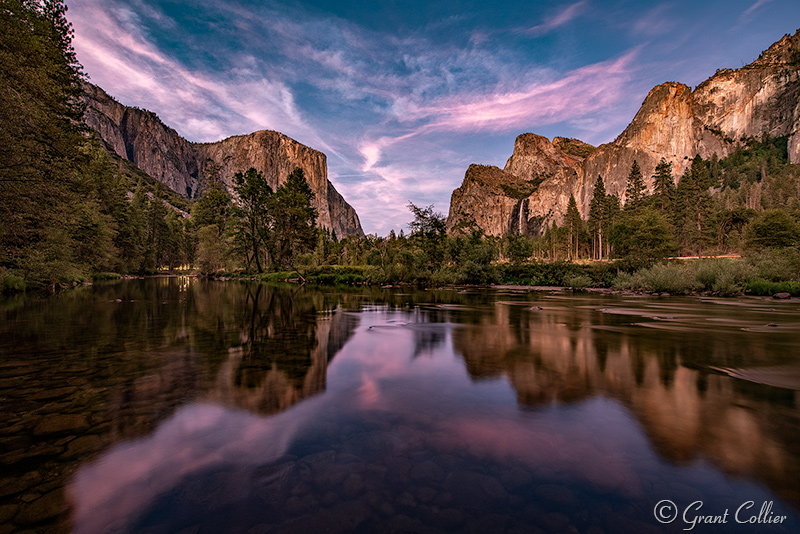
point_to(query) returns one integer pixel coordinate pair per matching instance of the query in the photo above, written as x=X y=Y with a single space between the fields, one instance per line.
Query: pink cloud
x=576 y=94
x=559 y=19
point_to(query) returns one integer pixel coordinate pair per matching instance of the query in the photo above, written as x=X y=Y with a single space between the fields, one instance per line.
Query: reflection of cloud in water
x=126 y=479
x=594 y=443
x=431 y=405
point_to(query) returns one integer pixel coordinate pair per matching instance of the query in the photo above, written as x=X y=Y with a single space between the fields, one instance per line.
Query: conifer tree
x=575 y=224
x=664 y=186
x=293 y=219
x=252 y=226
x=597 y=216
x=635 y=188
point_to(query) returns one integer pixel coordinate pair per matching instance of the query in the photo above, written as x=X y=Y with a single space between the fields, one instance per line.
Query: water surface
x=182 y=405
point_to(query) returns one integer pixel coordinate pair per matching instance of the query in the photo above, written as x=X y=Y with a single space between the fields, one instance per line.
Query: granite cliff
x=673 y=122
x=140 y=137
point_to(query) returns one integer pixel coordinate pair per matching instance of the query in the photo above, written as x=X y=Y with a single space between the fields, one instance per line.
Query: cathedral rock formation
x=140 y=137
x=673 y=122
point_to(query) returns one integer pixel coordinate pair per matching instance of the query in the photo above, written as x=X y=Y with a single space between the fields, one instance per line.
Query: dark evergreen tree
x=635 y=189
x=575 y=225
x=597 y=216
x=293 y=219
x=664 y=185
x=252 y=225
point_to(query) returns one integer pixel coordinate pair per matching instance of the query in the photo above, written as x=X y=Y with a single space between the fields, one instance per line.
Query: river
x=181 y=405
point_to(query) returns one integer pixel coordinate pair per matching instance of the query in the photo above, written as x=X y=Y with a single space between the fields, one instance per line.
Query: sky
x=403 y=95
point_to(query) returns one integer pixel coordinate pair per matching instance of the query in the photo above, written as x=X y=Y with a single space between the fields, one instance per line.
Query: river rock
x=7 y=512
x=18 y=485
x=558 y=495
x=48 y=394
x=83 y=445
x=426 y=470
x=352 y=486
x=44 y=508
x=60 y=424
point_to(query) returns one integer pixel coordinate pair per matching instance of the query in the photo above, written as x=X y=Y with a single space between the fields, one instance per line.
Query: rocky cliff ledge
x=140 y=137
x=673 y=122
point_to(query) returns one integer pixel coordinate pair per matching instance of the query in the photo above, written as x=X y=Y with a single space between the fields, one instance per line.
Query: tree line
x=69 y=208
x=745 y=201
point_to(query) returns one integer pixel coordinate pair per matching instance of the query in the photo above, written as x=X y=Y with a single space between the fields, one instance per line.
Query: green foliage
x=580 y=281
x=598 y=217
x=293 y=219
x=518 y=247
x=761 y=287
x=252 y=218
x=772 y=228
x=428 y=232
x=574 y=223
x=675 y=278
x=11 y=282
x=63 y=197
x=643 y=235
x=635 y=189
x=524 y=189
x=664 y=186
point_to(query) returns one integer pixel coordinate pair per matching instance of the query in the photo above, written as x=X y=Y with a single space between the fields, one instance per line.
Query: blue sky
x=403 y=95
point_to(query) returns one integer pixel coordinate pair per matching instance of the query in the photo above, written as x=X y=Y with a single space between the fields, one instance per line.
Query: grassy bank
x=766 y=273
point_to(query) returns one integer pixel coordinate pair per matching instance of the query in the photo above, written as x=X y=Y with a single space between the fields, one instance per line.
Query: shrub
x=580 y=281
x=12 y=283
x=759 y=286
x=726 y=277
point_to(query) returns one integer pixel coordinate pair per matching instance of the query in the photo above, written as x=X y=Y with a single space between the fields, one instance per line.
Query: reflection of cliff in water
x=666 y=378
x=281 y=364
x=91 y=367
x=258 y=347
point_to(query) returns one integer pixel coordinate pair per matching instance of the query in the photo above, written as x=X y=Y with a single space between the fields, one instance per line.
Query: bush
x=776 y=265
x=759 y=286
x=12 y=283
x=580 y=281
x=105 y=276
x=670 y=278
x=726 y=277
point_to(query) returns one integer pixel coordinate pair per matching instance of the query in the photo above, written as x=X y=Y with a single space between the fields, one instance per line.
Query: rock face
x=673 y=122
x=140 y=137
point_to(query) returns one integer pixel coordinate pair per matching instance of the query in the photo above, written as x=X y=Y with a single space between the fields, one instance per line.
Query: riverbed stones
x=60 y=424
x=426 y=470
x=83 y=445
x=7 y=512
x=50 y=394
x=44 y=508
x=352 y=486
x=13 y=486
x=557 y=495
x=474 y=490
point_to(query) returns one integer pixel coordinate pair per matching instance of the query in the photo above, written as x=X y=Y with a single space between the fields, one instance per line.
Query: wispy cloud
x=391 y=111
x=559 y=19
x=657 y=21
x=577 y=93
x=117 y=54
x=750 y=10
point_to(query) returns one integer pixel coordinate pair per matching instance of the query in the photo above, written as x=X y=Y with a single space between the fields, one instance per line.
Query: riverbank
x=763 y=274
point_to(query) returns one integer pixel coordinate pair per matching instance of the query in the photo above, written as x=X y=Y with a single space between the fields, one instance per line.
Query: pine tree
x=575 y=224
x=664 y=186
x=635 y=188
x=293 y=219
x=597 y=216
x=252 y=226
x=613 y=210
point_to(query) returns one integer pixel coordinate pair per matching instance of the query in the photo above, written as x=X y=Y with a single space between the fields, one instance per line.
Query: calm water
x=180 y=405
